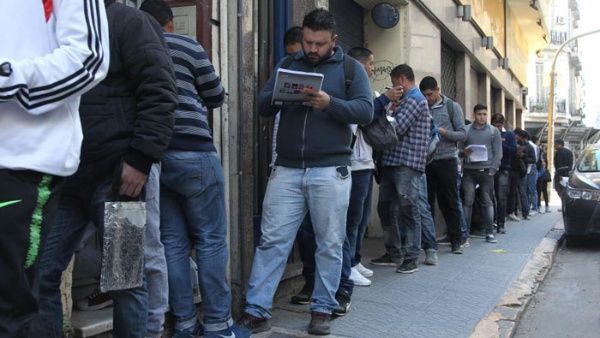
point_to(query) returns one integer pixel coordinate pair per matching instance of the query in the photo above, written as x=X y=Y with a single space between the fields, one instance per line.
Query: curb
x=503 y=319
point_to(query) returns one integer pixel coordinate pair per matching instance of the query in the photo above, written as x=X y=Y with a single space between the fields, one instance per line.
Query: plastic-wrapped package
x=123 y=246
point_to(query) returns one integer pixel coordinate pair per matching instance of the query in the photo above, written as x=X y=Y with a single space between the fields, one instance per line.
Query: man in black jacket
x=526 y=152
x=127 y=123
x=563 y=163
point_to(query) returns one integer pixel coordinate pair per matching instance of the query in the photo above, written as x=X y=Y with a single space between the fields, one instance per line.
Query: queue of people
x=143 y=134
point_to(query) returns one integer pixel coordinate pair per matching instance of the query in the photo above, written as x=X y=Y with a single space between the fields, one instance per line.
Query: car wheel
x=574 y=241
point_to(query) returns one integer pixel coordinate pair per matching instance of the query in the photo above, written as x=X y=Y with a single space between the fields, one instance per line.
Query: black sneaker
x=385 y=260
x=343 y=299
x=456 y=248
x=319 y=323
x=501 y=229
x=303 y=297
x=95 y=301
x=408 y=266
x=254 y=324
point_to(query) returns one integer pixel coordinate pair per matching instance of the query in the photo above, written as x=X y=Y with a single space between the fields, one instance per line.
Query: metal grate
x=349 y=19
x=448 y=82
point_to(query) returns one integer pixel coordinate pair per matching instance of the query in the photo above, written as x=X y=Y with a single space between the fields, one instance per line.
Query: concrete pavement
x=447 y=300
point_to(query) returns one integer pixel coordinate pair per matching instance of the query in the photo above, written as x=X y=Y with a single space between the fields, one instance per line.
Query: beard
x=315 y=58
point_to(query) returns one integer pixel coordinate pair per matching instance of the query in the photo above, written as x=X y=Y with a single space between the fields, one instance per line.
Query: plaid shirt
x=413 y=127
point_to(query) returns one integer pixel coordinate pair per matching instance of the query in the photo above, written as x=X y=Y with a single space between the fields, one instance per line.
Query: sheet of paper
x=289 y=85
x=478 y=153
x=564 y=181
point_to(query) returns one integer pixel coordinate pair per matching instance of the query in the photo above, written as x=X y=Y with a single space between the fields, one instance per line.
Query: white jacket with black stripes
x=51 y=52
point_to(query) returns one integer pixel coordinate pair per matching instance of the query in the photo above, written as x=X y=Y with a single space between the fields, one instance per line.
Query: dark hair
x=403 y=70
x=559 y=141
x=361 y=54
x=522 y=133
x=319 y=19
x=159 y=10
x=534 y=139
x=498 y=118
x=428 y=83
x=292 y=36
x=479 y=107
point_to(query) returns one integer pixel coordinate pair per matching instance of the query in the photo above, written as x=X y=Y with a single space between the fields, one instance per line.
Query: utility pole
x=550 y=138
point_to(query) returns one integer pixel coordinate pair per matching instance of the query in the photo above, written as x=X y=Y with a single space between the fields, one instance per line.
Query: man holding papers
x=314 y=144
x=482 y=152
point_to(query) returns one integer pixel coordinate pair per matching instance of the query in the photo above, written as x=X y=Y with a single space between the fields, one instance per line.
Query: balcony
x=541 y=106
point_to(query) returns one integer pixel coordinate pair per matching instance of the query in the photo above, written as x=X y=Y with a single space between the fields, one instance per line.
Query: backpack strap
x=348 y=71
x=450 y=109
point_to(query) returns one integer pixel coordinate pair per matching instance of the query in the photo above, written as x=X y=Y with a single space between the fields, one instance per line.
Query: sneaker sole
x=384 y=264
x=408 y=271
x=300 y=302
x=361 y=284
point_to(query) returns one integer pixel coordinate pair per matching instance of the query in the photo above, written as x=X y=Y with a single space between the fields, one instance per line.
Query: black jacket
x=563 y=162
x=130 y=115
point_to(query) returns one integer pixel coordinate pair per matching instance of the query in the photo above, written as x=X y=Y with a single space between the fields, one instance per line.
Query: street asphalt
x=566 y=305
x=447 y=300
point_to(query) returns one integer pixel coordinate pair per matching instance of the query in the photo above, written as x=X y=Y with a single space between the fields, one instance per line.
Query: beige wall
x=390 y=47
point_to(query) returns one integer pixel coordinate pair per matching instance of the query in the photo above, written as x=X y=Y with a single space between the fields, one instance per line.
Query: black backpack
x=380 y=133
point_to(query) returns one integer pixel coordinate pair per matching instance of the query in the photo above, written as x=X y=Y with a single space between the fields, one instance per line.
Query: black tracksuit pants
x=28 y=202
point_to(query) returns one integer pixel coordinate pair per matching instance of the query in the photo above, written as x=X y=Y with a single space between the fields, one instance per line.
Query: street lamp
x=550 y=138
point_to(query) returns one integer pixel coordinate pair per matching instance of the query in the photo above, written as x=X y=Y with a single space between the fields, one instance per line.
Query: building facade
x=563 y=21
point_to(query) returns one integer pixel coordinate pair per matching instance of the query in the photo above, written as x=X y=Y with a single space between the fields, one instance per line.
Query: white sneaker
x=533 y=212
x=548 y=210
x=363 y=271
x=358 y=279
x=514 y=217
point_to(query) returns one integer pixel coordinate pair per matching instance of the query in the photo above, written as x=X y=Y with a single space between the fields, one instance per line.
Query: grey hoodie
x=455 y=129
x=489 y=136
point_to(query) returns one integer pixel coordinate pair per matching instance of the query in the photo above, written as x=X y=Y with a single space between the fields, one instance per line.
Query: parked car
x=581 y=202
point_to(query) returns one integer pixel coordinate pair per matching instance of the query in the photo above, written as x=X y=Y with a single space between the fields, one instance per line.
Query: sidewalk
x=447 y=300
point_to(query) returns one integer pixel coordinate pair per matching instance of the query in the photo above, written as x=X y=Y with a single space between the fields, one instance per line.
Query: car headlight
x=577 y=194
x=574 y=193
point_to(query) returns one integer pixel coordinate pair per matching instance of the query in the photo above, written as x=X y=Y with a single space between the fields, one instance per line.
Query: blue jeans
x=399 y=212
x=193 y=216
x=80 y=203
x=155 y=264
x=359 y=212
x=427 y=225
x=291 y=192
x=472 y=178
x=532 y=189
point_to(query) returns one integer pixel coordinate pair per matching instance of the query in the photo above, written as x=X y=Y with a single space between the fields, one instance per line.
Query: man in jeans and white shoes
x=311 y=173
x=480 y=168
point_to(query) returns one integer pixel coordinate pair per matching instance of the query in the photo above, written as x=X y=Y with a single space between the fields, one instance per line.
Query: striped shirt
x=198 y=88
x=413 y=126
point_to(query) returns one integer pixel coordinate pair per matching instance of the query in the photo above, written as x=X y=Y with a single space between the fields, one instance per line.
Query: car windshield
x=590 y=161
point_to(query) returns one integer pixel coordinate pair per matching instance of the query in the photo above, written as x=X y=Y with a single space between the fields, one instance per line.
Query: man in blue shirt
x=402 y=168
x=502 y=178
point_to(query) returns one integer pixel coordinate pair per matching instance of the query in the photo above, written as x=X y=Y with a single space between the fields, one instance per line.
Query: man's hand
x=317 y=99
x=442 y=131
x=132 y=181
x=467 y=152
x=394 y=93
